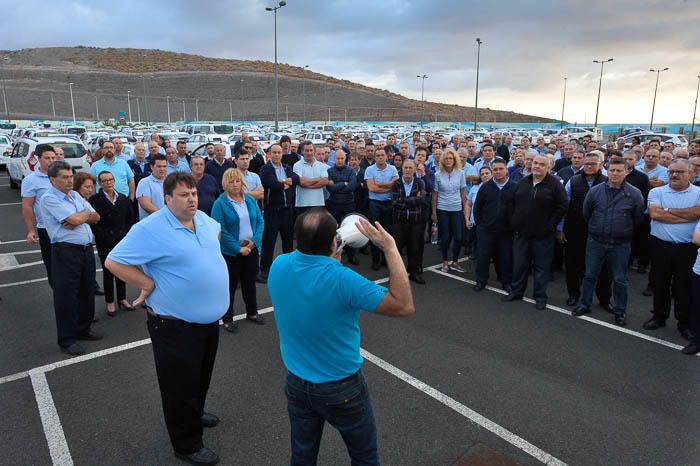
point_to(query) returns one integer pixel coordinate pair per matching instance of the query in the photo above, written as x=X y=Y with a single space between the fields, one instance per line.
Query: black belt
x=82 y=247
x=381 y=202
x=150 y=310
x=335 y=382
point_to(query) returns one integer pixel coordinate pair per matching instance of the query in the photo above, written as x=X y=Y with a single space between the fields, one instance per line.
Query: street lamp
x=4 y=89
x=183 y=111
x=167 y=102
x=422 y=102
x=600 y=83
x=72 y=103
x=656 y=88
x=53 y=107
x=692 y=124
x=303 y=93
x=476 y=99
x=196 y=109
x=562 y=105
x=97 y=109
x=145 y=100
x=138 y=108
x=230 y=110
x=128 y=102
x=277 y=101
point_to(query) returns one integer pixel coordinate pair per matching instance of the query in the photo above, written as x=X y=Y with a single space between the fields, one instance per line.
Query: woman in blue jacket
x=241 y=235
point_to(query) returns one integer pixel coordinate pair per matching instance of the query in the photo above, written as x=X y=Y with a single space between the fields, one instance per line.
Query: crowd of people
x=594 y=211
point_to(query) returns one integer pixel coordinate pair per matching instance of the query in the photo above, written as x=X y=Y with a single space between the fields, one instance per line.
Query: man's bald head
x=315 y=232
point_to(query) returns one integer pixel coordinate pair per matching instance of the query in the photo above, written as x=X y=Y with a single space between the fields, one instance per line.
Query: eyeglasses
x=677 y=172
x=590 y=164
x=108 y=180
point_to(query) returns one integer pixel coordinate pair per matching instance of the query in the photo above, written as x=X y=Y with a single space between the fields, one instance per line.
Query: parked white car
x=5 y=146
x=23 y=159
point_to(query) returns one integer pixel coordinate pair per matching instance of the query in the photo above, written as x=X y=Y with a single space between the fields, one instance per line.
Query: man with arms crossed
x=320 y=334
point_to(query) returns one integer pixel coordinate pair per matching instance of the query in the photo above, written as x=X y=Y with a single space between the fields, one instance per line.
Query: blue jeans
x=617 y=256
x=346 y=405
x=450 y=226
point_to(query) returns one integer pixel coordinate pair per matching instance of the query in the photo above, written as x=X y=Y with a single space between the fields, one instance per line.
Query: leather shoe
x=479 y=287
x=540 y=305
x=209 y=420
x=572 y=301
x=691 y=348
x=74 y=349
x=511 y=297
x=653 y=324
x=685 y=333
x=648 y=292
x=416 y=277
x=256 y=319
x=620 y=320
x=231 y=326
x=579 y=311
x=203 y=457
x=89 y=336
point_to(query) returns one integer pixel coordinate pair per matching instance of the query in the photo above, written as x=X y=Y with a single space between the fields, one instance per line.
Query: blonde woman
x=241 y=237
x=449 y=204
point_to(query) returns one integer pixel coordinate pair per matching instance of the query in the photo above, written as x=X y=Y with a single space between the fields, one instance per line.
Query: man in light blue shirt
x=149 y=193
x=380 y=178
x=313 y=177
x=123 y=175
x=254 y=186
x=658 y=174
x=66 y=216
x=175 y=164
x=120 y=151
x=174 y=257
x=34 y=186
x=674 y=210
x=318 y=324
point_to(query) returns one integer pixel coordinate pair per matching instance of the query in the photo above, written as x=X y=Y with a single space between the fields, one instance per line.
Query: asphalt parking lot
x=466 y=380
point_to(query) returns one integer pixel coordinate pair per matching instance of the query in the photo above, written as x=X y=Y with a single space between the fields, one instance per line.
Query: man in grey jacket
x=612 y=210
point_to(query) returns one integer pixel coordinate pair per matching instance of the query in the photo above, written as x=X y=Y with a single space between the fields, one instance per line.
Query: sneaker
x=456 y=267
x=444 y=268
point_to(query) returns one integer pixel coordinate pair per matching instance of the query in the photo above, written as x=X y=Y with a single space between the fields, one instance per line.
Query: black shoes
x=201 y=457
x=416 y=277
x=691 y=348
x=261 y=278
x=540 y=305
x=620 y=320
x=479 y=286
x=231 y=326
x=256 y=319
x=648 y=292
x=653 y=324
x=209 y=420
x=579 y=311
x=572 y=301
x=511 y=297
x=89 y=336
x=74 y=349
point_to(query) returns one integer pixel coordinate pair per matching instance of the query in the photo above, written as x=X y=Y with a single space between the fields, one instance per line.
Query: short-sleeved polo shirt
x=119 y=169
x=180 y=167
x=35 y=185
x=56 y=207
x=666 y=197
x=659 y=171
x=189 y=272
x=383 y=175
x=151 y=187
x=310 y=197
x=319 y=325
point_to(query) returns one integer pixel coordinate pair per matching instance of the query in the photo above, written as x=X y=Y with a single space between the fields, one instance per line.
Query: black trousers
x=184 y=354
x=673 y=265
x=277 y=221
x=575 y=261
x=496 y=246
x=641 y=241
x=45 y=246
x=426 y=226
x=695 y=310
x=537 y=251
x=409 y=235
x=73 y=269
x=380 y=211
x=243 y=270
x=108 y=278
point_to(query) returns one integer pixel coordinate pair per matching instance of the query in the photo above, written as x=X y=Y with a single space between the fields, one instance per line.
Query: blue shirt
x=125 y=155
x=659 y=171
x=35 y=185
x=151 y=187
x=119 y=169
x=318 y=322
x=696 y=266
x=252 y=180
x=449 y=186
x=189 y=272
x=181 y=167
x=385 y=175
x=56 y=207
x=407 y=187
x=245 y=230
x=310 y=197
x=281 y=174
x=471 y=196
x=666 y=197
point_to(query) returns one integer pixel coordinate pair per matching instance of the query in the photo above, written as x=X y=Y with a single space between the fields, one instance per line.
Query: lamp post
x=167 y=102
x=72 y=103
x=183 y=110
x=145 y=100
x=422 y=101
x=53 y=107
x=600 y=84
x=138 y=108
x=656 y=88
x=97 y=109
x=4 y=89
x=128 y=102
x=563 y=102
x=692 y=124
x=196 y=109
x=476 y=99
x=303 y=93
x=230 y=110
x=277 y=100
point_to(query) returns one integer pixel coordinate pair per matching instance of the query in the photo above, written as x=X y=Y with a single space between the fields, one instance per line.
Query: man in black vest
x=575 y=231
x=491 y=210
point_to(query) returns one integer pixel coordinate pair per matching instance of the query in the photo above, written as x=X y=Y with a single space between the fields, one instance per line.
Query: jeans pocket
x=346 y=398
x=291 y=397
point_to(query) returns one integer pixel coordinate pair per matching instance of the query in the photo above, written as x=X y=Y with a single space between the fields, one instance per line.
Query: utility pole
x=183 y=110
x=196 y=109
x=4 y=89
x=692 y=124
x=656 y=88
x=72 y=103
x=563 y=102
x=138 y=108
x=476 y=99
x=230 y=110
x=422 y=101
x=145 y=92
x=600 y=85
x=167 y=102
x=277 y=100
x=97 y=109
x=303 y=92
x=128 y=102
x=53 y=107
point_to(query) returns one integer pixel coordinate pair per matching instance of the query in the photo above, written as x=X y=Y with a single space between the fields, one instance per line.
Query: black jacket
x=275 y=194
x=256 y=163
x=138 y=173
x=290 y=158
x=640 y=181
x=536 y=210
x=492 y=207
x=408 y=209
x=361 y=191
x=115 y=221
x=613 y=218
x=575 y=224
x=339 y=192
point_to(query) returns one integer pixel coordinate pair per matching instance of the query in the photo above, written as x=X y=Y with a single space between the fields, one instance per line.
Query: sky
x=528 y=48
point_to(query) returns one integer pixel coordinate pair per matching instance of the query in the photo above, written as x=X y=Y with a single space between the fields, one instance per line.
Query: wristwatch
x=666 y=209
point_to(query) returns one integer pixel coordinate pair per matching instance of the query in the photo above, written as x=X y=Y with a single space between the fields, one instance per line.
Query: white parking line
x=35 y=280
x=11 y=203
x=14 y=241
x=20 y=253
x=4 y=185
x=560 y=310
x=465 y=411
x=53 y=430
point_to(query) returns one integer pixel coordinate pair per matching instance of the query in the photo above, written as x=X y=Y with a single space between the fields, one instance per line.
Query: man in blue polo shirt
x=174 y=257
x=320 y=334
x=123 y=175
x=674 y=210
x=380 y=178
x=149 y=193
x=174 y=163
x=313 y=177
x=254 y=186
